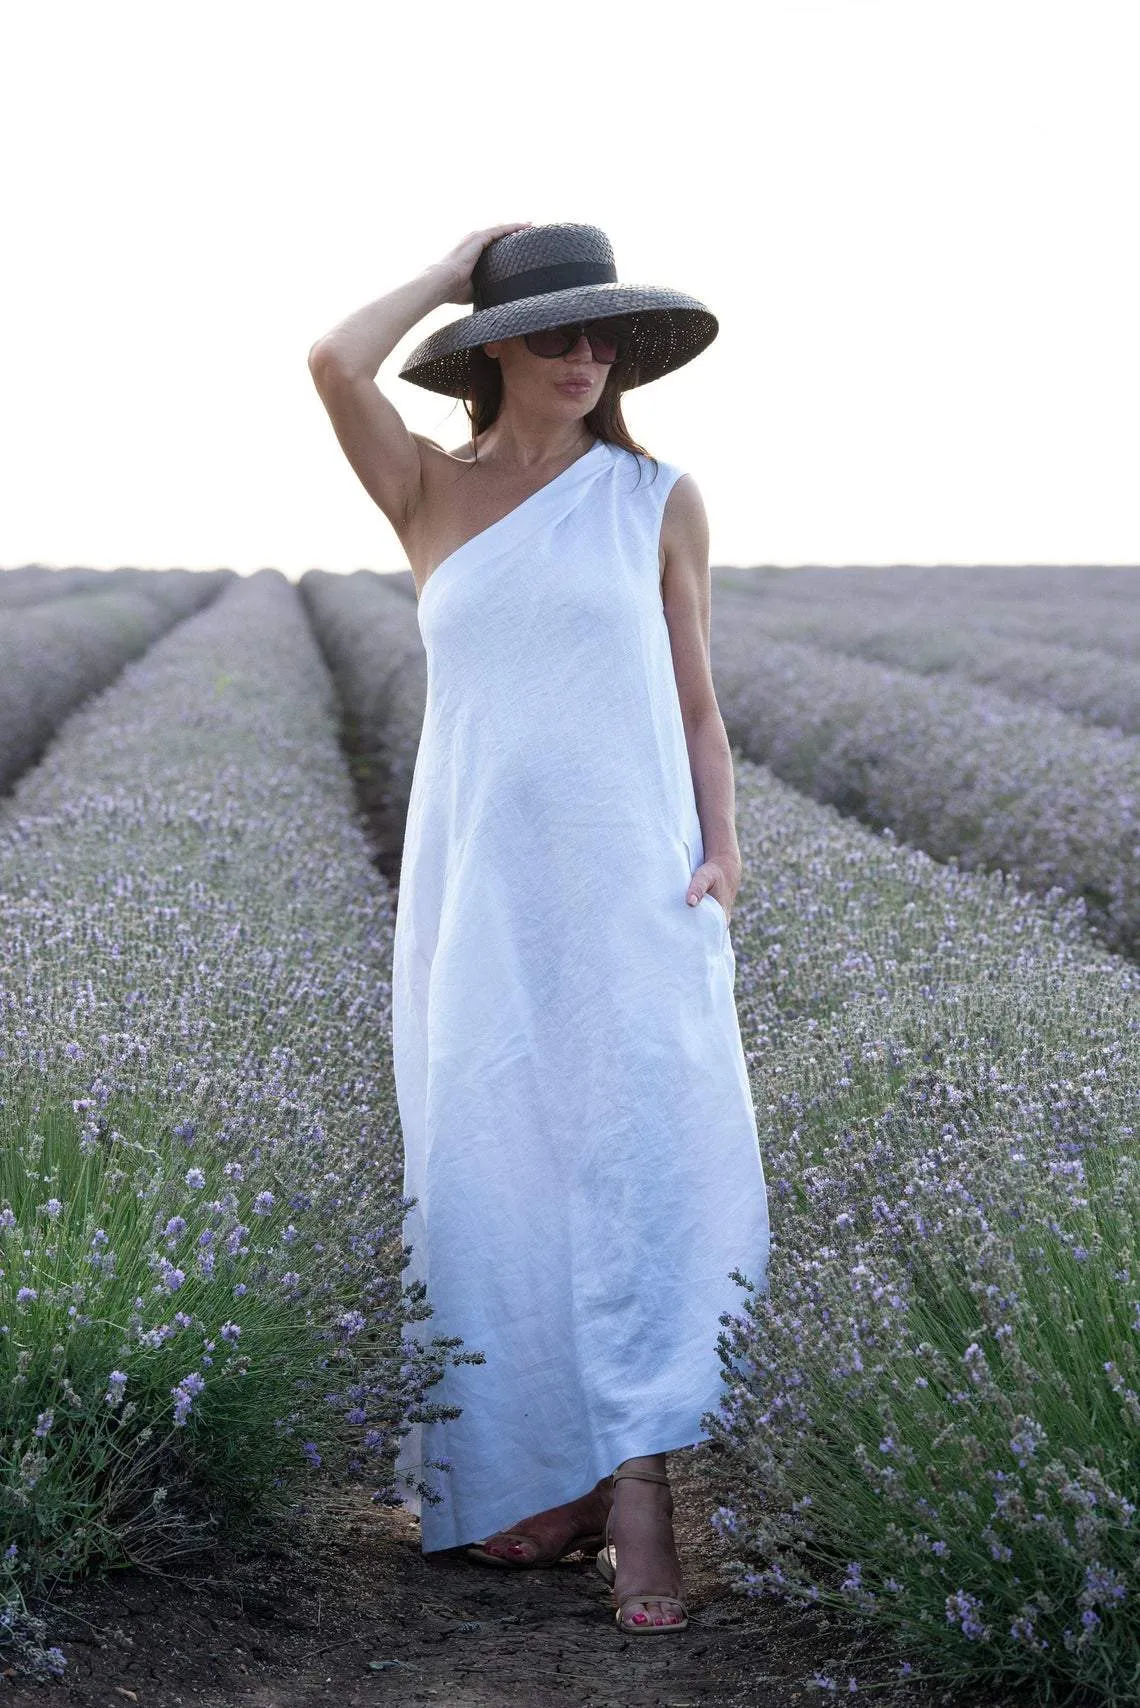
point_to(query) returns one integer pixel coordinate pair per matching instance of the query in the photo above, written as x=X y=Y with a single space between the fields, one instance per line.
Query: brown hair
x=485 y=399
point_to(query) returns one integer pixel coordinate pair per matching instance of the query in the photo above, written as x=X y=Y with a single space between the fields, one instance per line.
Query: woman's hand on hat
x=460 y=261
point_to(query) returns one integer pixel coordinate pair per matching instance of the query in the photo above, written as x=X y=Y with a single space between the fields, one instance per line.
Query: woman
x=578 y=1127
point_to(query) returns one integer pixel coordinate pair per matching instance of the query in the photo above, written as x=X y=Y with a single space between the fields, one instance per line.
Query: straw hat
x=550 y=275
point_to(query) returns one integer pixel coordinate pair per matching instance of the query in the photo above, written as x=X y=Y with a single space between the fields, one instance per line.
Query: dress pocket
x=721 y=914
x=708 y=900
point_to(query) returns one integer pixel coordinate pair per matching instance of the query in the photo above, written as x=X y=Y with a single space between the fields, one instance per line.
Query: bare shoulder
x=437 y=467
x=461 y=453
x=439 y=515
x=684 y=531
x=686 y=596
x=431 y=451
x=684 y=506
x=438 y=460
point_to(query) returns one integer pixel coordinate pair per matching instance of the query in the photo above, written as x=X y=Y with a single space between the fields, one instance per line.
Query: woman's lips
x=573 y=385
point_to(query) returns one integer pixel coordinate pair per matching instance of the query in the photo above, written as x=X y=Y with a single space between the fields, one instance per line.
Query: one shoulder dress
x=578 y=1127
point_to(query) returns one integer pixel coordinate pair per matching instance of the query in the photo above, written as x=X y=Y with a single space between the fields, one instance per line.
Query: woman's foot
x=641 y=1531
x=555 y=1529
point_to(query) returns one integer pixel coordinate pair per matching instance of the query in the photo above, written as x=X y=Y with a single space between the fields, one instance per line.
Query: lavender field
x=931 y=1420
x=969 y=772
x=199 y=1170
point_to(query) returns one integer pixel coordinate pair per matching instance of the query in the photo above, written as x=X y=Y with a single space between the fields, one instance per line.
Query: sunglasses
x=610 y=340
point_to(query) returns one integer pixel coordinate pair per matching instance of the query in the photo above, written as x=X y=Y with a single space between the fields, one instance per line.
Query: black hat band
x=537 y=281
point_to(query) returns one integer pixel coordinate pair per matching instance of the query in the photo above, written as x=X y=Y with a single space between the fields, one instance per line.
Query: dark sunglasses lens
x=551 y=342
x=608 y=339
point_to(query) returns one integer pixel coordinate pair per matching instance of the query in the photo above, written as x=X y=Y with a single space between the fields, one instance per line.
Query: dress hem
x=602 y=1466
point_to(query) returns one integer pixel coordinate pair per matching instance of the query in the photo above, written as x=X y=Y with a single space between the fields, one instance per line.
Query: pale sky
x=914 y=219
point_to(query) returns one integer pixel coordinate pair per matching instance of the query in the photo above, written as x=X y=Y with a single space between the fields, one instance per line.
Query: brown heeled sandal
x=584 y=1542
x=607 y=1566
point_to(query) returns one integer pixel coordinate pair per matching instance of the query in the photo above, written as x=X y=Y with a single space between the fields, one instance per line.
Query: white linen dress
x=578 y=1127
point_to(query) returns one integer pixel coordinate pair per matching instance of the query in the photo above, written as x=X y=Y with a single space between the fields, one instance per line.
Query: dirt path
x=342 y=1607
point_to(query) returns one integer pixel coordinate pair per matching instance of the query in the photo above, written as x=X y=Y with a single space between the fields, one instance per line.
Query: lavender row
x=54 y=655
x=963 y=772
x=200 y=1168
x=1077 y=609
x=917 y=635
x=35 y=584
x=931 y=1410
x=970 y=580
x=367 y=629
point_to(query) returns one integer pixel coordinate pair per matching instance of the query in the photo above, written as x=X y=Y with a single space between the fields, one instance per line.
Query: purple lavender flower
x=234 y=1239
x=1024 y=1444
x=171 y=1278
x=1103 y=1585
x=963 y=1609
x=185 y=1392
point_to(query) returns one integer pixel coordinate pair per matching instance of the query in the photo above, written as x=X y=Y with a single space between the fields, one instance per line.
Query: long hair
x=485 y=399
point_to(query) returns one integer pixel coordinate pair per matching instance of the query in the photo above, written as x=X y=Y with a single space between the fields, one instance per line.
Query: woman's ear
x=492 y=349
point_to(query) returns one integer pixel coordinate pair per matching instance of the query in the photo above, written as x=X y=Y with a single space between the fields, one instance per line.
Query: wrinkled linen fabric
x=578 y=1127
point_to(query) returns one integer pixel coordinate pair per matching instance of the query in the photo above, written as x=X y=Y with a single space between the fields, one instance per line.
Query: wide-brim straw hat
x=552 y=275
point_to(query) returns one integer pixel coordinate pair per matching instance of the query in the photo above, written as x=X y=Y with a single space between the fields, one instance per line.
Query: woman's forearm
x=358 y=345
x=714 y=784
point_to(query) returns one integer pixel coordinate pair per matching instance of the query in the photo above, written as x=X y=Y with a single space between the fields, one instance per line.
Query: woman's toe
x=512 y=1550
x=664 y=1613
